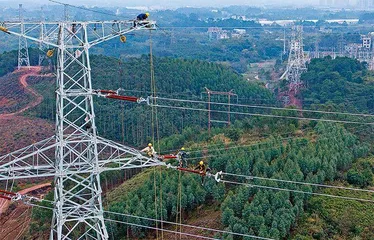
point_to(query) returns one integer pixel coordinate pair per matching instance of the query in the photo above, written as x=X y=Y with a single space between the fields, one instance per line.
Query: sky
x=166 y=3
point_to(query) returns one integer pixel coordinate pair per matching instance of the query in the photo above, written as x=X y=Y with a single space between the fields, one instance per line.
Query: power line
x=163 y=221
x=189 y=226
x=265 y=115
x=263 y=137
x=259 y=27
x=300 y=183
x=83 y=8
x=132 y=224
x=165 y=230
x=138 y=225
x=298 y=191
x=264 y=107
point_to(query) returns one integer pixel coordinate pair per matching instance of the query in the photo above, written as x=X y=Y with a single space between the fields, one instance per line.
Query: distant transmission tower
x=296 y=60
x=43 y=34
x=23 y=51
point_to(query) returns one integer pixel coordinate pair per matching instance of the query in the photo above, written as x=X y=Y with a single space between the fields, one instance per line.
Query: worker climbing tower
x=76 y=155
x=296 y=65
x=23 y=51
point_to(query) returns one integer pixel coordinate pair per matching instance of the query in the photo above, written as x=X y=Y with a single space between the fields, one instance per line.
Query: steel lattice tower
x=43 y=33
x=23 y=51
x=76 y=155
x=296 y=65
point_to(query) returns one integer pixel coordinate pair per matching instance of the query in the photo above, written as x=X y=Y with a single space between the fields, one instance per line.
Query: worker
x=141 y=17
x=88 y=125
x=203 y=169
x=149 y=150
x=182 y=157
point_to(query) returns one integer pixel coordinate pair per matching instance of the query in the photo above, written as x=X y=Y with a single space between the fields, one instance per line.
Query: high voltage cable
x=163 y=221
x=195 y=96
x=86 y=9
x=133 y=224
x=297 y=182
x=261 y=27
x=298 y=191
x=352 y=99
x=264 y=115
x=165 y=230
x=190 y=226
x=264 y=107
x=210 y=146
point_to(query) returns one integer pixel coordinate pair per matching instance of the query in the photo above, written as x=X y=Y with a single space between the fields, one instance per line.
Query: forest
x=175 y=78
x=342 y=84
x=316 y=156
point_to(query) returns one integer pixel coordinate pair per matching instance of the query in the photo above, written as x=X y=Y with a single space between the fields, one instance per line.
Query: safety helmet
x=201 y=163
x=147 y=14
x=182 y=149
x=149 y=144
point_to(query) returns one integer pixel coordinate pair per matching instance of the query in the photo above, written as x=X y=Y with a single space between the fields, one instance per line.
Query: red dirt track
x=34 y=71
x=16 y=132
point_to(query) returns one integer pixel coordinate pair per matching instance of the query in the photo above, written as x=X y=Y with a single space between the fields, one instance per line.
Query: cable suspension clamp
x=142 y=100
x=217 y=176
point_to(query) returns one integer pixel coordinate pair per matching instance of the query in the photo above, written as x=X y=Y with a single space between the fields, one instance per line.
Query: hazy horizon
x=166 y=3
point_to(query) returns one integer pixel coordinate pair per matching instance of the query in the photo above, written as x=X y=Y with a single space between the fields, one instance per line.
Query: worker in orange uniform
x=203 y=169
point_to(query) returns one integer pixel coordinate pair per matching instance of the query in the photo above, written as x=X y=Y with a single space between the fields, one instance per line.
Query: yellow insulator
x=50 y=53
x=123 y=38
x=4 y=29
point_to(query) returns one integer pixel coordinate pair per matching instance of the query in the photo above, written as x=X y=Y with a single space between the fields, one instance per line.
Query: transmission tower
x=296 y=65
x=43 y=33
x=23 y=51
x=76 y=155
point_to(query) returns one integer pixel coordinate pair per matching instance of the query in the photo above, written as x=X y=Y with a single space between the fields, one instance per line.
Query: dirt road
x=34 y=71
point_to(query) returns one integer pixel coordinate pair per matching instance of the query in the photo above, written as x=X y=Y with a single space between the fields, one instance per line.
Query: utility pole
x=75 y=156
x=23 y=51
x=229 y=95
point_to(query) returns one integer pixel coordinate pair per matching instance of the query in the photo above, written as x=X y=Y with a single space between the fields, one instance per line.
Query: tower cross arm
x=91 y=32
x=38 y=161
x=99 y=32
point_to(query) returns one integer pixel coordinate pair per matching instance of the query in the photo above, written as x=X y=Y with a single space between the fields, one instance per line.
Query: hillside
x=314 y=158
x=341 y=84
x=303 y=151
x=175 y=78
x=327 y=218
x=18 y=131
x=14 y=96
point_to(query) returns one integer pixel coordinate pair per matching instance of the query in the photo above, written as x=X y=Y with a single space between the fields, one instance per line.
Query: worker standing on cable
x=203 y=169
x=182 y=157
x=141 y=17
x=149 y=150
